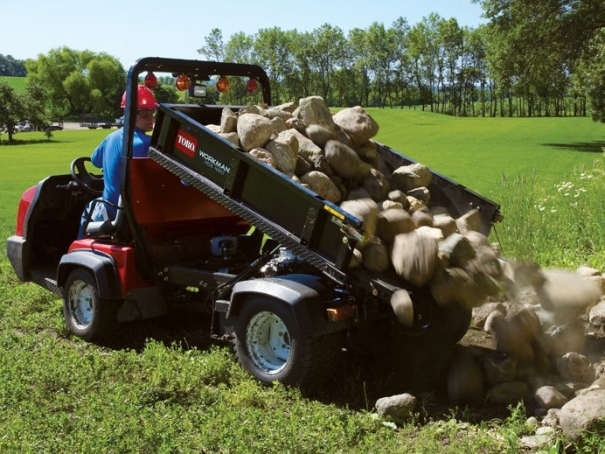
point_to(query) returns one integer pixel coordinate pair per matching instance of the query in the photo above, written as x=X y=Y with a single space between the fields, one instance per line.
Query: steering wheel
x=90 y=183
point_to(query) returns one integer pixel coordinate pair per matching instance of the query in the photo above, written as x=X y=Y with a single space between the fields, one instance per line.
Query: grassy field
x=182 y=393
x=18 y=83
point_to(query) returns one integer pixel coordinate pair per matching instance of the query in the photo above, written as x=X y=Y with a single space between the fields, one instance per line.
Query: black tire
x=87 y=315
x=271 y=347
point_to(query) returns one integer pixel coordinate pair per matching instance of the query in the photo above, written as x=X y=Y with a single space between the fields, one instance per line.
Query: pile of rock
x=335 y=156
x=547 y=349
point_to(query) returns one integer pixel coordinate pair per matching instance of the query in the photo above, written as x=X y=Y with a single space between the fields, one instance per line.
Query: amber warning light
x=335 y=314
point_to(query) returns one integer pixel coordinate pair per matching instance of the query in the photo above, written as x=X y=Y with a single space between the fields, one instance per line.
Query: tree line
x=532 y=58
x=10 y=66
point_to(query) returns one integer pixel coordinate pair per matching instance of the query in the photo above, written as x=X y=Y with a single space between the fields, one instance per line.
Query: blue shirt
x=108 y=156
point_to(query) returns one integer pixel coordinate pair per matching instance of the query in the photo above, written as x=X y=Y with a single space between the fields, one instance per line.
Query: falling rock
x=375 y=256
x=486 y=260
x=399 y=197
x=481 y=313
x=576 y=367
x=585 y=413
x=253 y=131
x=264 y=156
x=365 y=210
x=431 y=232
x=470 y=221
x=392 y=222
x=566 y=294
x=399 y=408
x=445 y=223
x=357 y=124
x=422 y=217
x=420 y=193
x=415 y=257
x=456 y=285
x=321 y=184
x=408 y=177
x=345 y=162
x=456 y=250
x=562 y=339
x=401 y=302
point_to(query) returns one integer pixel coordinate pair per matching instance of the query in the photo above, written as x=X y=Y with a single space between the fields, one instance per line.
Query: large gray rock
x=392 y=222
x=321 y=184
x=596 y=315
x=345 y=162
x=399 y=408
x=228 y=121
x=585 y=413
x=357 y=124
x=320 y=134
x=306 y=148
x=365 y=210
x=284 y=149
x=313 y=110
x=376 y=184
x=574 y=366
x=549 y=397
x=264 y=156
x=415 y=257
x=253 y=131
x=406 y=178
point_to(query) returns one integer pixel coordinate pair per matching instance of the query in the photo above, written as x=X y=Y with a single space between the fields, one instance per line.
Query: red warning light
x=151 y=81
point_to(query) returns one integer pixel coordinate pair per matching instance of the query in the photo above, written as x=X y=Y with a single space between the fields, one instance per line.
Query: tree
x=538 y=36
x=17 y=107
x=78 y=82
x=214 y=49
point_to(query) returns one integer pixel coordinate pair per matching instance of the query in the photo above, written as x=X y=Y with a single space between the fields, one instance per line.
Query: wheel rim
x=80 y=303
x=268 y=342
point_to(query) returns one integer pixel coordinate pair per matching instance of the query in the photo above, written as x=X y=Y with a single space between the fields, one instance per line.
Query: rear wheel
x=271 y=347
x=87 y=315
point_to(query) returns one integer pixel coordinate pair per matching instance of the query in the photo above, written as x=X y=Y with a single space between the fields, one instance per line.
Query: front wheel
x=271 y=346
x=87 y=315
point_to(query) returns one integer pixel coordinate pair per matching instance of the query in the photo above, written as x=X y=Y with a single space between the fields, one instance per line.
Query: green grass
x=182 y=393
x=17 y=83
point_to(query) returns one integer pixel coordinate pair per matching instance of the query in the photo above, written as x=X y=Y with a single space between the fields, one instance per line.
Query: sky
x=133 y=29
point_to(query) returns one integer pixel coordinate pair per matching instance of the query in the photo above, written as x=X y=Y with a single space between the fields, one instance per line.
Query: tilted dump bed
x=296 y=217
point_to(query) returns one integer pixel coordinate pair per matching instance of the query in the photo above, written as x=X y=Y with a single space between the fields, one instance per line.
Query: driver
x=108 y=155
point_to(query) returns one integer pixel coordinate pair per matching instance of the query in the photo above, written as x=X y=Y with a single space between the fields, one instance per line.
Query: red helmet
x=145 y=98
